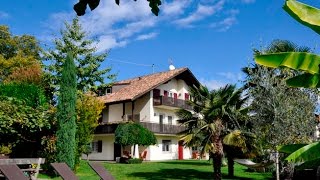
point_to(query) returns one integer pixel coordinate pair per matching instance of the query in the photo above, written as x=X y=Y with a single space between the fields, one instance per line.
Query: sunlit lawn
x=186 y=169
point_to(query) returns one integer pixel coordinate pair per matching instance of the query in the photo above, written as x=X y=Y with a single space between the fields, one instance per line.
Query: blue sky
x=214 y=38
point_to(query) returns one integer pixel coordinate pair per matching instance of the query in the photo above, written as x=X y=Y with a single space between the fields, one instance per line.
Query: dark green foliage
x=81 y=6
x=135 y=161
x=133 y=133
x=31 y=94
x=66 y=114
x=23 y=126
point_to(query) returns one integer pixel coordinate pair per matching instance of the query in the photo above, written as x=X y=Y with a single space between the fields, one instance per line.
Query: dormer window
x=109 y=90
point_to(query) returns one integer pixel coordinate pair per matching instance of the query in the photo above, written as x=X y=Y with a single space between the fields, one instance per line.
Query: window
x=109 y=90
x=166 y=145
x=96 y=146
x=170 y=120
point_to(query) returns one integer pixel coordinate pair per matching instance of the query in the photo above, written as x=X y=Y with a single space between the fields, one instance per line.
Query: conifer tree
x=76 y=41
x=66 y=114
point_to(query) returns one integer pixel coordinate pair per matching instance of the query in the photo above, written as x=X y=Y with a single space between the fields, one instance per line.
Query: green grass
x=186 y=169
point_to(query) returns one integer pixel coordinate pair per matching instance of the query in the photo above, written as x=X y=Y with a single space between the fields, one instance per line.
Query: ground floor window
x=96 y=146
x=166 y=145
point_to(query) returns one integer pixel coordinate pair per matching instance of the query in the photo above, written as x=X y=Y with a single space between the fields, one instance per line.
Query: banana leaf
x=290 y=148
x=309 y=164
x=295 y=60
x=304 y=14
x=303 y=61
x=306 y=153
x=304 y=80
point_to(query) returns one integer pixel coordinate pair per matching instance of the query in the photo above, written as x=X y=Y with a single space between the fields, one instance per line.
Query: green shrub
x=135 y=161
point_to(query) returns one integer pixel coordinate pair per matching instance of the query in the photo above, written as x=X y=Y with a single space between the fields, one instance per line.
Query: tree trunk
x=217 y=157
x=217 y=163
x=230 y=165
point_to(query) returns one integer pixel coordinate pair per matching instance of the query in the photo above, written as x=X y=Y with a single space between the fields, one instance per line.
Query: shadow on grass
x=186 y=174
x=191 y=163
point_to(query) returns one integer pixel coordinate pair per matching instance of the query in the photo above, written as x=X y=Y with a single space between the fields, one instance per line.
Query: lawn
x=186 y=169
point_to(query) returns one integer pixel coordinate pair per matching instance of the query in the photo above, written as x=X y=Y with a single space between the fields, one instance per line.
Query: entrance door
x=180 y=150
x=116 y=151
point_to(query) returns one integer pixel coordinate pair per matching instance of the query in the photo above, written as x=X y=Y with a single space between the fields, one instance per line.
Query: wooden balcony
x=163 y=128
x=106 y=129
x=154 y=127
x=171 y=102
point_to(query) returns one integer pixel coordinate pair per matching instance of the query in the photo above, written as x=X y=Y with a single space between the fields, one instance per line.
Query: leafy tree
x=81 y=6
x=277 y=107
x=17 y=52
x=89 y=109
x=31 y=94
x=132 y=133
x=66 y=114
x=281 y=114
x=215 y=112
x=23 y=124
x=75 y=41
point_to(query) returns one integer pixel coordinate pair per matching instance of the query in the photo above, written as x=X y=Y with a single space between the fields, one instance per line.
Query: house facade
x=152 y=101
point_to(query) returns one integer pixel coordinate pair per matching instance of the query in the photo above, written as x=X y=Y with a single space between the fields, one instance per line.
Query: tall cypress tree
x=66 y=114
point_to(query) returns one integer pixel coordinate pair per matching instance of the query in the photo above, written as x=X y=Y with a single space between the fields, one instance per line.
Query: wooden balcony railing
x=154 y=127
x=169 y=101
x=163 y=128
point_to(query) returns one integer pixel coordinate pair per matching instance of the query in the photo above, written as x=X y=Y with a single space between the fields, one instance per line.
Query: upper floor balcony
x=170 y=103
x=154 y=127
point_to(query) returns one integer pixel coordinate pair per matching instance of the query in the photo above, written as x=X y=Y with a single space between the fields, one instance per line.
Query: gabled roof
x=137 y=87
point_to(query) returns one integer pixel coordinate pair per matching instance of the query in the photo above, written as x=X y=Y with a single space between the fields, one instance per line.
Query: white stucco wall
x=155 y=152
x=165 y=113
x=142 y=106
x=115 y=112
x=107 y=148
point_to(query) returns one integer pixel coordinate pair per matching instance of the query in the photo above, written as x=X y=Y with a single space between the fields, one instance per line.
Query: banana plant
x=303 y=155
x=307 y=63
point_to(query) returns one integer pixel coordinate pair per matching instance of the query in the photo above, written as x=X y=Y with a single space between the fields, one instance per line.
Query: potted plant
x=5 y=151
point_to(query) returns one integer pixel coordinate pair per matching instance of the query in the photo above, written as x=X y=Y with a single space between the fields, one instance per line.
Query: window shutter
x=99 y=146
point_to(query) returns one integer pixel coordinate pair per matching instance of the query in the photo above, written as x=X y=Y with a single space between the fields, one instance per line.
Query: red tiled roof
x=137 y=87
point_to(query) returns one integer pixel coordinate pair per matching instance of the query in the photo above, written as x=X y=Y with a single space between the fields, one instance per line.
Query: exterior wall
x=175 y=86
x=107 y=148
x=105 y=115
x=142 y=106
x=115 y=112
x=155 y=152
x=165 y=113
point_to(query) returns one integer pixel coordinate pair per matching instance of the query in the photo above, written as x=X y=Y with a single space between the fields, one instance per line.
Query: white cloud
x=175 y=7
x=230 y=76
x=147 y=36
x=202 y=12
x=3 y=15
x=213 y=84
x=107 y=42
x=116 y=26
x=227 y=22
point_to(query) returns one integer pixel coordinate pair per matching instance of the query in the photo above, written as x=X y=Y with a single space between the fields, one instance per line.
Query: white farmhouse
x=150 y=100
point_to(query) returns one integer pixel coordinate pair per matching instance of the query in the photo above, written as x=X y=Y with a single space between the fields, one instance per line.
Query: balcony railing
x=163 y=128
x=154 y=127
x=169 y=101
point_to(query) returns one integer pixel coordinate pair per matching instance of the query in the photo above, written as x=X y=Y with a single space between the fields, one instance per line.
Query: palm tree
x=213 y=113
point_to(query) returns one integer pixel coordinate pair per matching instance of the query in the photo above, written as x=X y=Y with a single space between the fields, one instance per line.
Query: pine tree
x=75 y=40
x=66 y=114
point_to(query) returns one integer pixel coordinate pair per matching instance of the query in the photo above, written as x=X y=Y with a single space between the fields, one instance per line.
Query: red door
x=175 y=96
x=186 y=96
x=165 y=93
x=180 y=150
